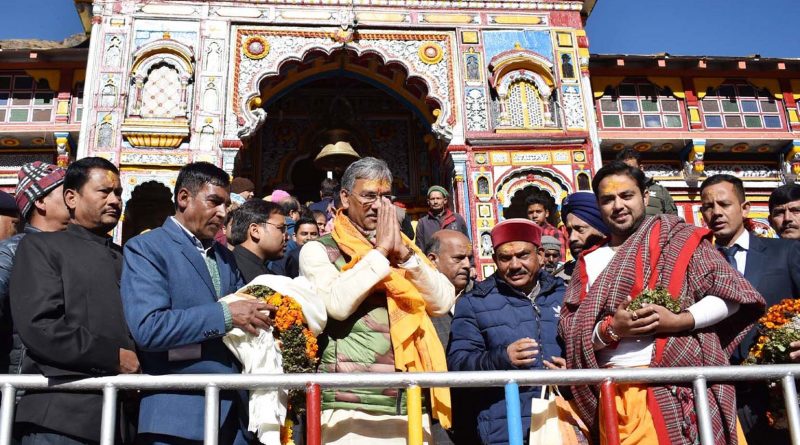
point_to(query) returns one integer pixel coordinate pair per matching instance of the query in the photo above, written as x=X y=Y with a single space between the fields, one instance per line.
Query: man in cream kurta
x=367 y=272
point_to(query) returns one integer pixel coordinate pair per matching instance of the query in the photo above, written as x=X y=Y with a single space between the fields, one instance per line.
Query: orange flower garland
x=298 y=344
x=779 y=327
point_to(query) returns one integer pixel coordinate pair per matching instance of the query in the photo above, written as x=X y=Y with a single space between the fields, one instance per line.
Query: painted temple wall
x=171 y=82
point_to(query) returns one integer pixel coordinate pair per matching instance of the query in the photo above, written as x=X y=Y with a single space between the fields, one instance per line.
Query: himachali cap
x=36 y=180
x=516 y=229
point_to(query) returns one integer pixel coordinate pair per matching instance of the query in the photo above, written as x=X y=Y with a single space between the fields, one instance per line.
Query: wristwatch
x=407 y=257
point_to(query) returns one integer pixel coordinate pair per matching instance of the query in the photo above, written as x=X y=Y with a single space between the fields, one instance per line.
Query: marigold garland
x=299 y=345
x=779 y=327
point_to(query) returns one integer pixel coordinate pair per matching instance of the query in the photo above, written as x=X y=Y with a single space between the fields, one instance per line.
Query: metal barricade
x=212 y=384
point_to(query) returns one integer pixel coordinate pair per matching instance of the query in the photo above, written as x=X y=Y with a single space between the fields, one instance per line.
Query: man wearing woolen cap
x=40 y=200
x=439 y=217
x=508 y=321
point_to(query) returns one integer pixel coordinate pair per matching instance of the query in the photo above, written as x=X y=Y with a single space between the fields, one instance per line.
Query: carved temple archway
x=262 y=52
x=387 y=111
x=515 y=187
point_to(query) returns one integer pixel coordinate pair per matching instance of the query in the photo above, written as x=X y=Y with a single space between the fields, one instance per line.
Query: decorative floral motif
x=430 y=53
x=256 y=47
x=573 y=108
x=477 y=116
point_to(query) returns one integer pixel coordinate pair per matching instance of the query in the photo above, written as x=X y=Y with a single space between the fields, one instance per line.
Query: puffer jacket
x=486 y=321
x=11 y=348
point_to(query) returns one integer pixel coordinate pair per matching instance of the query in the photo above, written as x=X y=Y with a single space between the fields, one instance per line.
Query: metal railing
x=213 y=383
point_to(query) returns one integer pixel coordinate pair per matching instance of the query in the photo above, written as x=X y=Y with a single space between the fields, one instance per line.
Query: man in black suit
x=772 y=266
x=259 y=235
x=66 y=305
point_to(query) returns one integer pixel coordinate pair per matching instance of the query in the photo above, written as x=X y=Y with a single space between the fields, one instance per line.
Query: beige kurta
x=342 y=293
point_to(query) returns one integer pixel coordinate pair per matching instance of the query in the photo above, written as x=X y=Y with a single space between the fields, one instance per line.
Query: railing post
x=513 y=414
x=608 y=411
x=703 y=411
x=109 y=415
x=414 y=408
x=212 y=415
x=7 y=413
x=792 y=410
x=313 y=414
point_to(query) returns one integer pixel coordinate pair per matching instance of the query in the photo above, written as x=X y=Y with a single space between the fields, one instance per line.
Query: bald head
x=451 y=252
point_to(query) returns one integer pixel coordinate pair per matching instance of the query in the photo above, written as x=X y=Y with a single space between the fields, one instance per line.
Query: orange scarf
x=416 y=346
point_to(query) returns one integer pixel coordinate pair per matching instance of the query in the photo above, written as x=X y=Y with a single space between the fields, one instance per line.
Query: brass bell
x=335 y=157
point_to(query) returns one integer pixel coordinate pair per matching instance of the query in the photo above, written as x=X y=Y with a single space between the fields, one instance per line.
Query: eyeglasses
x=370 y=198
x=282 y=228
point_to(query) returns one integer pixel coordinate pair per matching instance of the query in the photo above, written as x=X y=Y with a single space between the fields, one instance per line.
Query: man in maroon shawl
x=718 y=307
x=439 y=217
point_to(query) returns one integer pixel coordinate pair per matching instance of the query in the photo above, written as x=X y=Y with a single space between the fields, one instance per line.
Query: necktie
x=211 y=264
x=730 y=254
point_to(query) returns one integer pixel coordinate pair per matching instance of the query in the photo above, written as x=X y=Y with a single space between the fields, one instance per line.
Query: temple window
x=525 y=106
x=524 y=96
x=162 y=93
x=739 y=105
x=640 y=105
x=524 y=101
x=77 y=103
x=24 y=99
x=161 y=82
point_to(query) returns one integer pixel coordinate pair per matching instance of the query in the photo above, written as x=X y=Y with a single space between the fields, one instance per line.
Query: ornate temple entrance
x=326 y=98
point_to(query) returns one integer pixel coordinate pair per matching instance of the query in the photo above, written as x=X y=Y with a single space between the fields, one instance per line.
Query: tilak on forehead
x=377 y=183
x=615 y=184
x=111 y=176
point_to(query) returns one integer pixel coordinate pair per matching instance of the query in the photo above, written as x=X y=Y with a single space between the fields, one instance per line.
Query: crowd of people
x=73 y=304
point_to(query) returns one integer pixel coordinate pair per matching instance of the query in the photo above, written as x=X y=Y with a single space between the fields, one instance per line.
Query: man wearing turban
x=585 y=227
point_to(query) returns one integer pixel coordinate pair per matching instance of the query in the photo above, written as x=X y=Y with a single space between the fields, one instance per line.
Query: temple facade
x=495 y=100
x=490 y=99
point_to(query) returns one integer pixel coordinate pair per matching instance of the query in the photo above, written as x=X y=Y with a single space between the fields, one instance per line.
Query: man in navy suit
x=172 y=279
x=772 y=266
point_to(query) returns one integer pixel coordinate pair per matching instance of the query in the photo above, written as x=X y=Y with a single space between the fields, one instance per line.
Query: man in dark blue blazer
x=771 y=265
x=172 y=279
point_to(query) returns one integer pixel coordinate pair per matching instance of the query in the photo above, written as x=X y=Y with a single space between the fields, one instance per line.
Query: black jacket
x=249 y=264
x=66 y=306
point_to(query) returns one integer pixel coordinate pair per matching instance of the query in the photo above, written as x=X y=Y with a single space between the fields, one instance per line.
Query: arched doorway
x=374 y=106
x=520 y=184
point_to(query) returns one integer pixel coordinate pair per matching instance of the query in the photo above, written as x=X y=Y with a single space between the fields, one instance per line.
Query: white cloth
x=260 y=354
x=353 y=427
x=343 y=292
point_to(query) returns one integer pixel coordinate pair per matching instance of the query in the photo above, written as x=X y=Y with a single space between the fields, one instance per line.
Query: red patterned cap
x=36 y=180
x=516 y=229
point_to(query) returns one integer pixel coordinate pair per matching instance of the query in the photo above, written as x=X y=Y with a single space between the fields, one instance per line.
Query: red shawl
x=665 y=251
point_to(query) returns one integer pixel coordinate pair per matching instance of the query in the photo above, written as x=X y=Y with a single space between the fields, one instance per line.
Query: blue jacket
x=171 y=306
x=486 y=321
x=11 y=348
